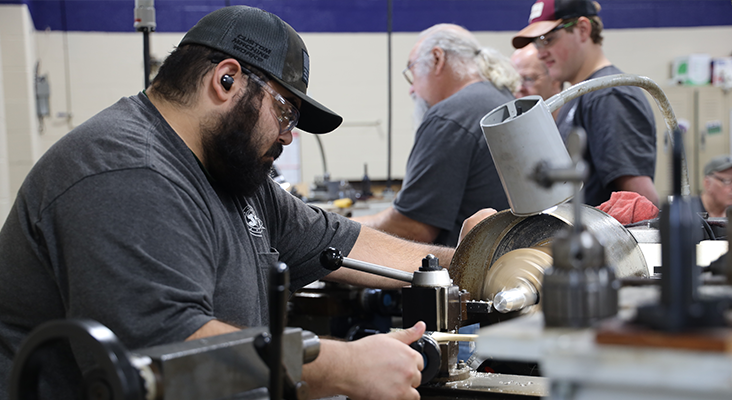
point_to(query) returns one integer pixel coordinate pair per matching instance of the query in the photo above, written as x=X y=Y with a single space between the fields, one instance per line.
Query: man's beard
x=420 y=109
x=231 y=150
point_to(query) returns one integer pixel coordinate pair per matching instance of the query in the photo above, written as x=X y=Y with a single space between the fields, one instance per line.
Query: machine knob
x=431 y=354
x=331 y=258
x=430 y=263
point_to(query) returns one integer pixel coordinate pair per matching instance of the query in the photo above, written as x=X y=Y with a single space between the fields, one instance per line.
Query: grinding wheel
x=503 y=232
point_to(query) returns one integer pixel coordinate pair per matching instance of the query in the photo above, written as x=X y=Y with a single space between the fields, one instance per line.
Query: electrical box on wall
x=43 y=92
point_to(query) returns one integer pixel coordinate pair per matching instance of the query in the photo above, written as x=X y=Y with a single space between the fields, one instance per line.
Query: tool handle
x=332 y=259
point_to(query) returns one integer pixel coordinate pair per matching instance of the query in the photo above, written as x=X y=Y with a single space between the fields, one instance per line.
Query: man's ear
x=226 y=79
x=439 y=56
x=707 y=182
x=585 y=28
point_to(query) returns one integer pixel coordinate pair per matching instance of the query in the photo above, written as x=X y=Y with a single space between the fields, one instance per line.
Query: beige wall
x=21 y=137
x=348 y=73
x=4 y=162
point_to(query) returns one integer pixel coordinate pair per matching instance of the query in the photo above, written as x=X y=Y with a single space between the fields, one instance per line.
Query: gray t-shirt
x=118 y=223
x=450 y=173
x=621 y=135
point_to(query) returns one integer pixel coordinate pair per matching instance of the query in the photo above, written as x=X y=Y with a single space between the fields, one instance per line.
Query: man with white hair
x=535 y=78
x=450 y=173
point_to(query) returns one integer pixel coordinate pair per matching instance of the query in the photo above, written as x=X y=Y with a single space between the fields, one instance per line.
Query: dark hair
x=182 y=73
x=595 y=33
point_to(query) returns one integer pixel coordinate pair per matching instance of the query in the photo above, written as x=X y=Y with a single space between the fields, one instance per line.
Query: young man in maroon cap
x=619 y=121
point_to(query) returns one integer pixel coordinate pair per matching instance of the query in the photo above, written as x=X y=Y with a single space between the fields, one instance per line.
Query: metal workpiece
x=515 y=279
x=332 y=259
x=515 y=299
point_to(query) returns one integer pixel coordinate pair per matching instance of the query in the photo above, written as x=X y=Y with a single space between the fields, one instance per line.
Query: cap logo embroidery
x=305 y=67
x=254 y=224
x=251 y=48
x=536 y=11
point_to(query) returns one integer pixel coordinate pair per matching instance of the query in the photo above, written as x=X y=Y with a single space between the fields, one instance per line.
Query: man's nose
x=285 y=138
x=542 y=53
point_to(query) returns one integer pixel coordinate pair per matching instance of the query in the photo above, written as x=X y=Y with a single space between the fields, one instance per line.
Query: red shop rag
x=629 y=207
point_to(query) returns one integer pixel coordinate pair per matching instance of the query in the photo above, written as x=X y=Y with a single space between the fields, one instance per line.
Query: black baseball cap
x=548 y=14
x=263 y=40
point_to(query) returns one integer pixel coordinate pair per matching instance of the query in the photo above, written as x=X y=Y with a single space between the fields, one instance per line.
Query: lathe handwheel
x=114 y=379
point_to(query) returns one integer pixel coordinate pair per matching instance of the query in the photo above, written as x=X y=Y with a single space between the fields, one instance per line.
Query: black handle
x=331 y=258
x=430 y=351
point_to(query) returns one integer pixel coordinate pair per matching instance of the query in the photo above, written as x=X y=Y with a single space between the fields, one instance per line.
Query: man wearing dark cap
x=717 y=194
x=157 y=218
x=619 y=121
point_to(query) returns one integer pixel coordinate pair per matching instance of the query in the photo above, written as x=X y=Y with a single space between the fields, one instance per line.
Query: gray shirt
x=118 y=223
x=621 y=135
x=450 y=173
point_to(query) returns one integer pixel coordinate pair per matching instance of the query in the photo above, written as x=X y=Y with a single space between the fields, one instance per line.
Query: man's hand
x=473 y=220
x=378 y=367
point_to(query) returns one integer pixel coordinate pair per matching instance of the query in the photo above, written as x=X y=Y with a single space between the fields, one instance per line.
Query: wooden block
x=618 y=332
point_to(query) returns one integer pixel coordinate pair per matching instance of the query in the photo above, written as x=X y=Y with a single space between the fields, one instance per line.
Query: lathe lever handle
x=331 y=258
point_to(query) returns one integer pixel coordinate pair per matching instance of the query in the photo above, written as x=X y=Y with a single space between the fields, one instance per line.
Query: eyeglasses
x=288 y=115
x=408 y=72
x=546 y=39
x=530 y=80
x=724 y=181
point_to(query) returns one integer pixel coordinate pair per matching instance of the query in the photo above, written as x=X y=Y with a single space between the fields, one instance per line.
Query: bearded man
x=156 y=217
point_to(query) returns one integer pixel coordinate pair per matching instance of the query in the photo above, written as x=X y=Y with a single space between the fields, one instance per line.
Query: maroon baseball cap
x=548 y=14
